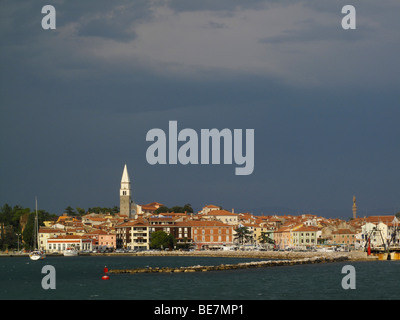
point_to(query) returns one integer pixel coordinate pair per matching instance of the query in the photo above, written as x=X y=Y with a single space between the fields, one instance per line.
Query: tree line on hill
x=176 y=209
x=17 y=226
x=114 y=210
x=81 y=212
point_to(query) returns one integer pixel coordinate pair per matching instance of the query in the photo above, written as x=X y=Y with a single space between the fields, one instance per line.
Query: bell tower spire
x=354 y=207
x=125 y=194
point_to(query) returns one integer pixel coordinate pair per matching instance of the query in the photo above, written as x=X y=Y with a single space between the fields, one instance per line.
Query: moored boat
x=36 y=255
x=70 y=252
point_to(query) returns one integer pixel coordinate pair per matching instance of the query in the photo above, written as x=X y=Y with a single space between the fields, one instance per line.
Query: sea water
x=81 y=278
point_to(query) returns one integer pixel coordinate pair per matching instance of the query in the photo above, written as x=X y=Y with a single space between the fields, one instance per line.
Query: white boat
x=70 y=252
x=36 y=254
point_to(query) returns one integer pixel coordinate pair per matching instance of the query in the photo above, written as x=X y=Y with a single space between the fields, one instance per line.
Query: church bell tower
x=125 y=194
x=354 y=207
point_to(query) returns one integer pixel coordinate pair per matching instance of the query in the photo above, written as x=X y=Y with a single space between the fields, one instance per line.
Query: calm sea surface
x=80 y=278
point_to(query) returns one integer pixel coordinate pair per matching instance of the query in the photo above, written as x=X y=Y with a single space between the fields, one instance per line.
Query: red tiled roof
x=221 y=213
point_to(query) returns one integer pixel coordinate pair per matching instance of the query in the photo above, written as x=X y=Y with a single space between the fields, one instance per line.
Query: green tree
x=6 y=214
x=10 y=225
x=264 y=238
x=70 y=211
x=81 y=212
x=188 y=208
x=242 y=234
x=162 y=209
x=177 y=209
x=115 y=210
x=28 y=234
x=186 y=244
x=162 y=240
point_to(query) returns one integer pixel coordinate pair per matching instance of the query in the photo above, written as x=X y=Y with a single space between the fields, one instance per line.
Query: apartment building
x=133 y=235
x=211 y=234
x=344 y=237
x=304 y=236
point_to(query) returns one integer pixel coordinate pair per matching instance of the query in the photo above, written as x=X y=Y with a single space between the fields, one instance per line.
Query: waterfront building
x=304 y=236
x=173 y=224
x=344 y=237
x=376 y=232
x=47 y=233
x=60 y=243
x=211 y=234
x=134 y=235
x=107 y=239
x=103 y=239
x=266 y=228
x=282 y=237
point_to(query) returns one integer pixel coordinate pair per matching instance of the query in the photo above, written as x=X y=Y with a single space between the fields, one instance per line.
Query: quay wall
x=290 y=255
x=266 y=255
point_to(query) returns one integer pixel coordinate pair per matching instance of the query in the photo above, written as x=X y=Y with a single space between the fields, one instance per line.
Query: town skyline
x=266 y=210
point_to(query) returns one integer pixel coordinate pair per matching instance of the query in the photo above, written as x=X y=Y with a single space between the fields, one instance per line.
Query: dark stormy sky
x=76 y=102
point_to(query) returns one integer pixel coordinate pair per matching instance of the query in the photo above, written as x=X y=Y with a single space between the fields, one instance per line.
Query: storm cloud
x=76 y=102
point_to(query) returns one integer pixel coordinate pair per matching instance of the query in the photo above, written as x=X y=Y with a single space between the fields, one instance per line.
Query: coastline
x=275 y=255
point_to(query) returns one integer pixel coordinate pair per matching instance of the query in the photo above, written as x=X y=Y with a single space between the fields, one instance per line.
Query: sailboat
x=36 y=254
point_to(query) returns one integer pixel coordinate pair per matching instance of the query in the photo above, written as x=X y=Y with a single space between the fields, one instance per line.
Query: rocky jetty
x=223 y=267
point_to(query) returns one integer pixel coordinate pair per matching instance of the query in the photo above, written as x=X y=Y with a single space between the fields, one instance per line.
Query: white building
x=377 y=232
x=61 y=243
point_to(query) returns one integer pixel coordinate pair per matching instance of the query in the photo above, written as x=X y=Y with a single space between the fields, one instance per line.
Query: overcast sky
x=76 y=102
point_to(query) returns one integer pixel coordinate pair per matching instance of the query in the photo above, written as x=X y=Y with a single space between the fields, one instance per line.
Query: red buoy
x=105 y=277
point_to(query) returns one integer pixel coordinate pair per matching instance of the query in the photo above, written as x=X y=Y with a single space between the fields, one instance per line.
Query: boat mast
x=36 y=238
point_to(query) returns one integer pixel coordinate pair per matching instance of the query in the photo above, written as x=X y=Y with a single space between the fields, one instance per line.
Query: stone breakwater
x=244 y=265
